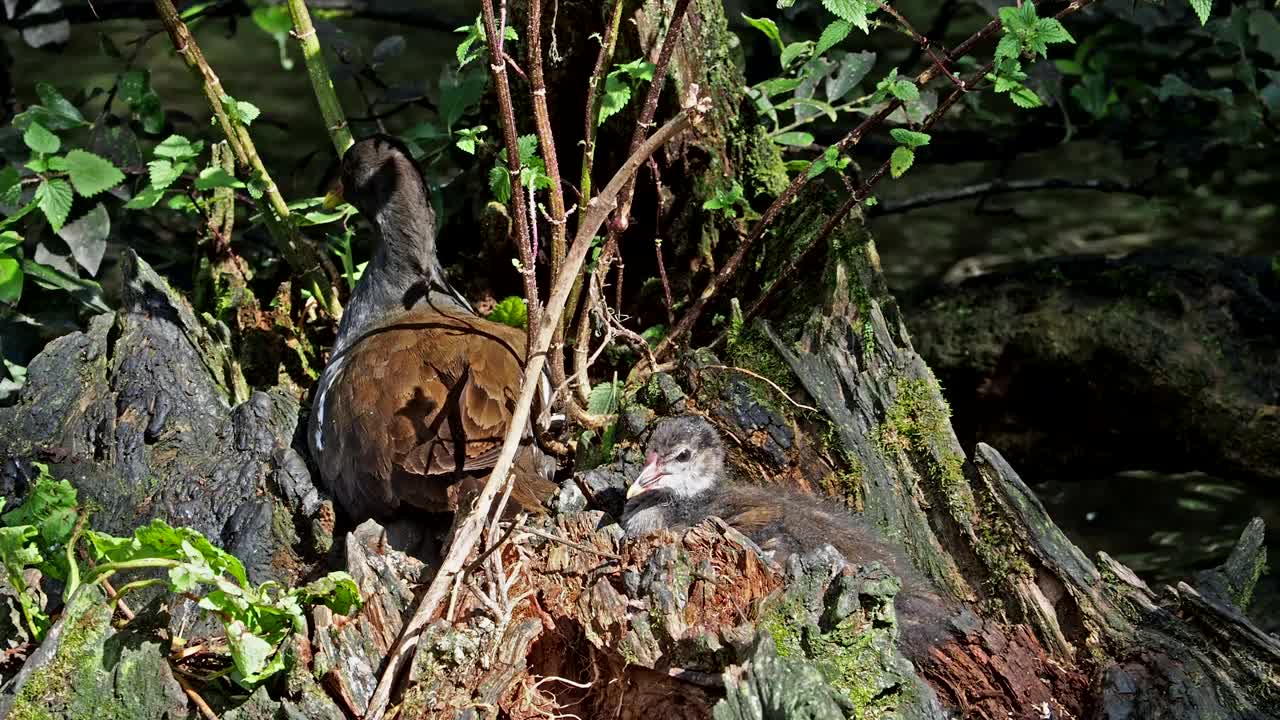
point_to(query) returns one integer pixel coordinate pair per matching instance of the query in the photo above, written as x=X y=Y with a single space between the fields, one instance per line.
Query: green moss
x=856 y=657
x=73 y=684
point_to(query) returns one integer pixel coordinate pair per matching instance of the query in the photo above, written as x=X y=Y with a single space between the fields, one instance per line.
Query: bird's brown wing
x=421 y=402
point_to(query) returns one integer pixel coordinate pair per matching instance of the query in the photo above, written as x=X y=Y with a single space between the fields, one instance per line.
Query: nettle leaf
x=92 y=174
x=766 y=26
x=164 y=172
x=240 y=111
x=833 y=35
x=177 y=147
x=855 y=11
x=1051 y=30
x=909 y=138
x=511 y=311
x=1009 y=47
x=53 y=197
x=40 y=139
x=900 y=161
x=905 y=90
x=604 y=397
x=617 y=93
x=1025 y=98
x=87 y=238
x=1202 y=8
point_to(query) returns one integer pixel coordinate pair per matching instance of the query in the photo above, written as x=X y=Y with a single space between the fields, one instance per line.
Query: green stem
x=330 y=108
x=136 y=584
x=300 y=254
x=73 y=568
x=838 y=109
x=139 y=564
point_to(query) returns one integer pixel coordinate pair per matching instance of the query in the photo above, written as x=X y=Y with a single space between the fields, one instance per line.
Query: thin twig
x=731 y=266
x=763 y=379
x=506 y=110
x=565 y=541
x=469 y=530
x=199 y=702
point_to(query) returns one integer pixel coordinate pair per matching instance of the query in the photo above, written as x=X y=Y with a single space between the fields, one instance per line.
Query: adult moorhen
x=417 y=395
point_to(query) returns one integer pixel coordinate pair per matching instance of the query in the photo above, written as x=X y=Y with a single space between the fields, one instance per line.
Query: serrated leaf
x=833 y=35
x=92 y=174
x=617 y=93
x=604 y=398
x=1203 y=8
x=1025 y=98
x=511 y=311
x=10 y=280
x=163 y=172
x=53 y=197
x=900 y=161
x=87 y=238
x=909 y=138
x=1051 y=30
x=855 y=11
x=794 y=51
x=766 y=26
x=177 y=147
x=794 y=139
x=41 y=140
x=1008 y=48
x=241 y=111
x=905 y=90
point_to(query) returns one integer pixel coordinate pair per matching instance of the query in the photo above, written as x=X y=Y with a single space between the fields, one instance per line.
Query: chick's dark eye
x=682 y=456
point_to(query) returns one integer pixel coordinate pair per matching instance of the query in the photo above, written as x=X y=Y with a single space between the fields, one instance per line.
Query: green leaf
x=216 y=177
x=795 y=139
x=92 y=174
x=905 y=90
x=1008 y=48
x=639 y=70
x=855 y=11
x=766 y=26
x=469 y=138
x=833 y=35
x=604 y=397
x=459 y=92
x=777 y=86
x=10 y=280
x=617 y=93
x=474 y=33
x=178 y=148
x=1051 y=30
x=511 y=311
x=851 y=71
x=54 y=199
x=337 y=591
x=10 y=185
x=240 y=111
x=87 y=292
x=824 y=107
x=9 y=240
x=56 y=103
x=900 y=161
x=1025 y=98
x=794 y=51
x=1202 y=8
x=249 y=652
x=163 y=172
x=909 y=138
x=41 y=140
x=145 y=199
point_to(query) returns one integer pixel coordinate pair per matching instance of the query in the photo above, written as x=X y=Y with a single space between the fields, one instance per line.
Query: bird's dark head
x=373 y=172
x=684 y=456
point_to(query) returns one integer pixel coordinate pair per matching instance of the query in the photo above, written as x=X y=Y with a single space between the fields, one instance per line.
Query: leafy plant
x=905 y=154
x=43 y=533
x=533 y=172
x=619 y=84
x=511 y=311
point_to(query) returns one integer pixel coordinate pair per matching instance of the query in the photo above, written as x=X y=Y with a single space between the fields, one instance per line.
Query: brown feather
x=422 y=402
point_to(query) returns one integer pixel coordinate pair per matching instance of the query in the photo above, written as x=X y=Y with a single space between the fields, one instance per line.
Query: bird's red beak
x=649 y=477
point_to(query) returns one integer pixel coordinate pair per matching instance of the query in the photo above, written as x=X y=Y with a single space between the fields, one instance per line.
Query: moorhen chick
x=414 y=402
x=683 y=483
